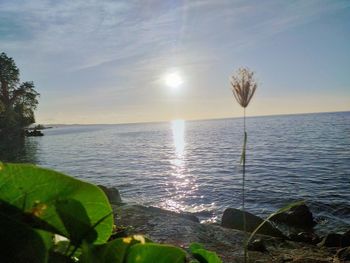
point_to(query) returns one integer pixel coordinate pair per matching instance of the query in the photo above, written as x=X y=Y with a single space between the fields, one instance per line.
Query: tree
x=17 y=100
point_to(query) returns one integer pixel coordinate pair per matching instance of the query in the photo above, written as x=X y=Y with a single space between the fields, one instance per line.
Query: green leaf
x=48 y=195
x=28 y=218
x=155 y=253
x=203 y=255
x=279 y=211
x=194 y=246
x=76 y=221
x=114 y=251
x=21 y=243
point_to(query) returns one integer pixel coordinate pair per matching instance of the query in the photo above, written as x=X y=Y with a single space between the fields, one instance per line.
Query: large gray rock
x=336 y=240
x=344 y=254
x=112 y=194
x=345 y=242
x=331 y=240
x=233 y=218
x=306 y=237
x=299 y=216
x=171 y=228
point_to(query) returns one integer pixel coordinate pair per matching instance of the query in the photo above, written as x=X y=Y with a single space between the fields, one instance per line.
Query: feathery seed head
x=243 y=86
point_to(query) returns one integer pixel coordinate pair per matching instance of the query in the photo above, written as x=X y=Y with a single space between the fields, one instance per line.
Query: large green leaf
x=21 y=243
x=59 y=200
x=155 y=253
x=78 y=228
x=114 y=251
x=203 y=255
x=133 y=249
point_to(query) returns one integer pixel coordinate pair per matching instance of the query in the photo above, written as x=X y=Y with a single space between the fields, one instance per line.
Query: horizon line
x=203 y=119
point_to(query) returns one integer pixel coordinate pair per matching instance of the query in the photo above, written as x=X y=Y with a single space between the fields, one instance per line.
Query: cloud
x=82 y=34
x=78 y=47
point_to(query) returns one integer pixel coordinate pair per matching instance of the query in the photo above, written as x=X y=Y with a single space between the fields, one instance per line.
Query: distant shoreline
x=195 y=120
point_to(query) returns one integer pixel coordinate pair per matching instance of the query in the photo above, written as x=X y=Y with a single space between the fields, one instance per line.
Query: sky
x=97 y=61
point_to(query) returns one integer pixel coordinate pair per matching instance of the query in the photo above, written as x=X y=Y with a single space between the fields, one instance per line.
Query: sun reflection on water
x=181 y=184
x=179 y=157
x=178 y=129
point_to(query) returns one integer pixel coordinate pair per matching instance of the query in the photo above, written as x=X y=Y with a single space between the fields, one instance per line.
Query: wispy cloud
x=90 y=33
x=85 y=44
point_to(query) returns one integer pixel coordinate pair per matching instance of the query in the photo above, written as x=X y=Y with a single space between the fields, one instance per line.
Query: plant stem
x=243 y=192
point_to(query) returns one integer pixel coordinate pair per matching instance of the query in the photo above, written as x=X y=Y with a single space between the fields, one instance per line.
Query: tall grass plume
x=243 y=86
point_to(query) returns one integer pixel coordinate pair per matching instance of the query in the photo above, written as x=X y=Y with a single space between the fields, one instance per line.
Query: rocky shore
x=295 y=241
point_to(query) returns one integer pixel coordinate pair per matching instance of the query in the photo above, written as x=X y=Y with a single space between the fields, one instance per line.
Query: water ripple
x=194 y=166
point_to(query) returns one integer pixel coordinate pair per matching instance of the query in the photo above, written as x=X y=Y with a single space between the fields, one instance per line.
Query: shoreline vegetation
x=18 y=101
x=31 y=217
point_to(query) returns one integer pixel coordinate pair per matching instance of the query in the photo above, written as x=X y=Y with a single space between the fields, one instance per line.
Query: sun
x=173 y=80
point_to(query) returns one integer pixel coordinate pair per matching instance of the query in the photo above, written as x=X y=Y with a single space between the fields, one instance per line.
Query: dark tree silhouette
x=17 y=100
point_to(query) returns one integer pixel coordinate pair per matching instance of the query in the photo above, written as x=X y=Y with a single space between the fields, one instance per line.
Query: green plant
x=243 y=89
x=279 y=211
x=17 y=100
x=203 y=255
x=134 y=249
x=46 y=216
x=43 y=203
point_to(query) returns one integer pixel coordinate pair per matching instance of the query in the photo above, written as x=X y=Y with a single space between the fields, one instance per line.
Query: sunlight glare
x=173 y=80
x=178 y=128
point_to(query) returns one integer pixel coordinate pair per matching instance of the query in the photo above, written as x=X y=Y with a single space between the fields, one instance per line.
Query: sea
x=194 y=166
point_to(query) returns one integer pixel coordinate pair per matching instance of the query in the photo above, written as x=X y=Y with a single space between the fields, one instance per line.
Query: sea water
x=194 y=166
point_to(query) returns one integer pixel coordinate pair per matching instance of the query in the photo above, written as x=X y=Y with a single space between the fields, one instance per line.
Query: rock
x=33 y=133
x=112 y=194
x=299 y=217
x=172 y=228
x=257 y=245
x=343 y=254
x=345 y=241
x=306 y=237
x=331 y=240
x=233 y=218
x=186 y=215
x=310 y=260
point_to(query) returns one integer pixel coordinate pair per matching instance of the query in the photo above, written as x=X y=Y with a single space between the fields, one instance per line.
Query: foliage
x=203 y=255
x=17 y=100
x=279 y=211
x=46 y=216
x=38 y=202
x=68 y=205
x=134 y=249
